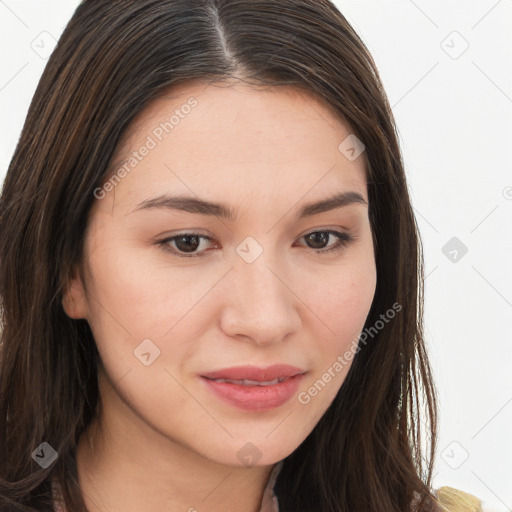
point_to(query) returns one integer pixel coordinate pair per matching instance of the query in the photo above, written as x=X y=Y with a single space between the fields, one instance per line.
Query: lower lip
x=255 y=398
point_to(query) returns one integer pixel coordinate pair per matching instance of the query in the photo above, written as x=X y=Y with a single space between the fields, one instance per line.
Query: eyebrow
x=194 y=205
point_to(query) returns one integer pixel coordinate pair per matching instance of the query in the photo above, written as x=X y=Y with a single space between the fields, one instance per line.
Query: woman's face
x=256 y=287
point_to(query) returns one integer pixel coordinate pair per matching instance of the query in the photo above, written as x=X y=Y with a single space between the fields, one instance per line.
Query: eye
x=186 y=245
x=319 y=238
x=186 y=242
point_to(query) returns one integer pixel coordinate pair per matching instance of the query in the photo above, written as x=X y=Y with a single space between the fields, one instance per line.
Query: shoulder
x=455 y=500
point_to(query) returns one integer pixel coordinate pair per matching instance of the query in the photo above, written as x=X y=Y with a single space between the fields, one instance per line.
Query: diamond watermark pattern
x=44 y=44
x=44 y=455
x=146 y=352
x=455 y=455
x=249 y=250
x=249 y=454
x=454 y=249
x=351 y=147
x=454 y=45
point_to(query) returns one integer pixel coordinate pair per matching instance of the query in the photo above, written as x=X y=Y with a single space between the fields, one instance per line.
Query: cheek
x=137 y=297
x=341 y=309
x=350 y=300
x=134 y=288
x=344 y=307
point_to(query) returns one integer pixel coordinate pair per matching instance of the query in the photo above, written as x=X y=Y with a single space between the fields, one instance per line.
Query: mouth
x=255 y=374
x=255 y=389
x=247 y=382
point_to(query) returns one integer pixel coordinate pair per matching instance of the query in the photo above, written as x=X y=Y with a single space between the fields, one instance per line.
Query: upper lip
x=255 y=373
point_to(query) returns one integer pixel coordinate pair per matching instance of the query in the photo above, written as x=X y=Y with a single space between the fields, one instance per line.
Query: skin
x=163 y=441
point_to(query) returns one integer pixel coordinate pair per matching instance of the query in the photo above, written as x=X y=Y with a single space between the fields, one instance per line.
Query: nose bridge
x=261 y=305
x=258 y=281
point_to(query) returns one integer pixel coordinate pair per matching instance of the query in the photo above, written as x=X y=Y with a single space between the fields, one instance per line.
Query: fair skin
x=166 y=442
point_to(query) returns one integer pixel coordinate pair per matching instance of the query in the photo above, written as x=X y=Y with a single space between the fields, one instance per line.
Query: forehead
x=216 y=138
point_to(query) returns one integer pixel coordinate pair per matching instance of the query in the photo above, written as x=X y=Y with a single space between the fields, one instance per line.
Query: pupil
x=187 y=247
x=324 y=237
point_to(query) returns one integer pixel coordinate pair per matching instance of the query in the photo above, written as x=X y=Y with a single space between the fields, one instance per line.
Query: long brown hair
x=367 y=452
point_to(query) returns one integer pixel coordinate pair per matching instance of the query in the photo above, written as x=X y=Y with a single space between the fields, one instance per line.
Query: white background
x=453 y=108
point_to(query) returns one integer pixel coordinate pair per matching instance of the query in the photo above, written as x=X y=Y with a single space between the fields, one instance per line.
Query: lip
x=255 y=372
x=255 y=397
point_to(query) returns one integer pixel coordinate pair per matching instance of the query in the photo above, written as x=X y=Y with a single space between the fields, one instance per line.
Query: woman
x=282 y=365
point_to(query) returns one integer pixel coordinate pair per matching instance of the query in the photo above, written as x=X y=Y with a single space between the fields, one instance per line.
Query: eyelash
x=344 y=239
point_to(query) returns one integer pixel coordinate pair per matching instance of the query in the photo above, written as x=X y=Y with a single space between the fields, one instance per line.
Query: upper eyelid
x=193 y=232
x=197 y=232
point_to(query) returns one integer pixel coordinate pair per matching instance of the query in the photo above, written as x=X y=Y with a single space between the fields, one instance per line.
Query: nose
x=260 y=306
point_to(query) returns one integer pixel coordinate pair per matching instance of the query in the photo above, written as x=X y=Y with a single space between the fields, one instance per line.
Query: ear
x=74 y=298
